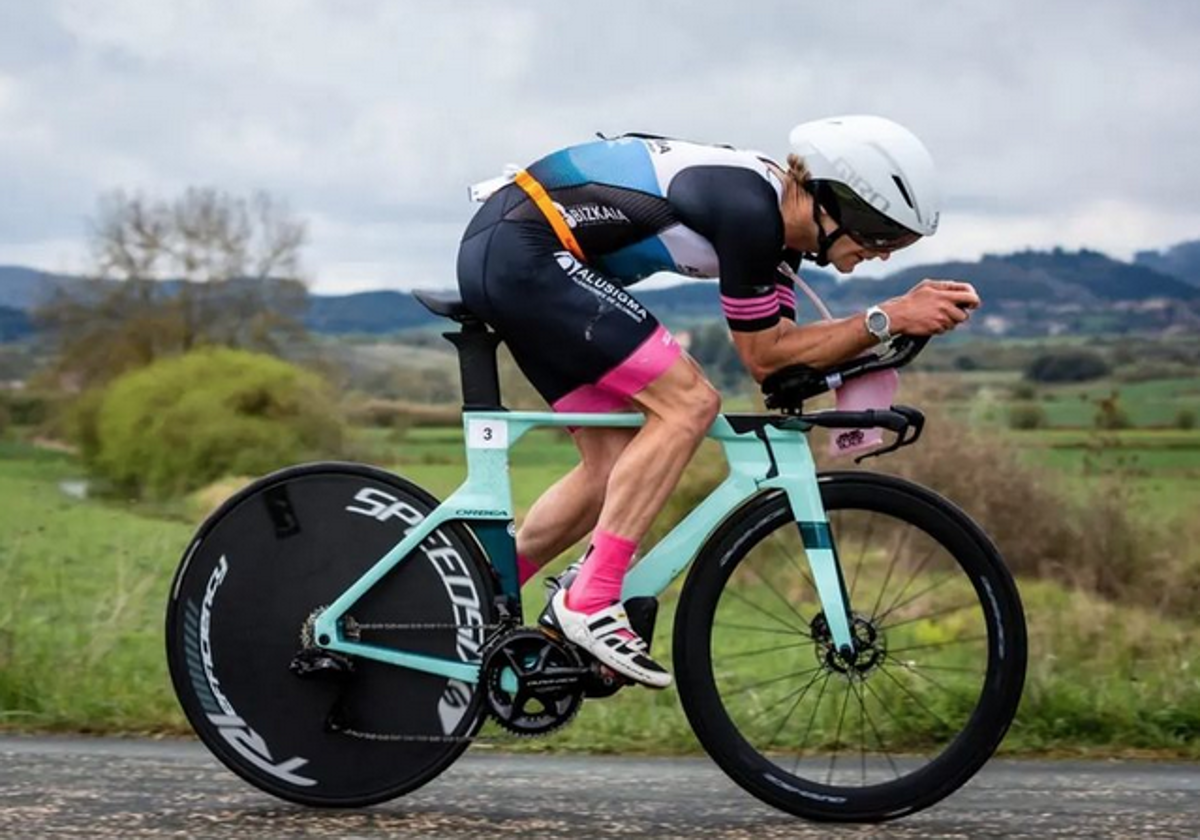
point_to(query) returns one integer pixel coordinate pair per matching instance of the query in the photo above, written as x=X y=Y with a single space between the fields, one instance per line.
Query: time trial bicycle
x=848 y=646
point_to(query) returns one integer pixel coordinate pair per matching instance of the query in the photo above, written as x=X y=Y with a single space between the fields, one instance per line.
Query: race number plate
x=487 y=434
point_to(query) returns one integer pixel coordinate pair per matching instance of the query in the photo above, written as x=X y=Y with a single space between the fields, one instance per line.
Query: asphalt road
x=70 y=787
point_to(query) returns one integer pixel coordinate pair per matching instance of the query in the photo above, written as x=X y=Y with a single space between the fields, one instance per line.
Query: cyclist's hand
x=931 y=307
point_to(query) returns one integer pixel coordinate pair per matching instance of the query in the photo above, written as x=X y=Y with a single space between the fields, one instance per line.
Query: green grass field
x=985 y=397
x=1160 y=466
x=84 y=589
x=86 y=581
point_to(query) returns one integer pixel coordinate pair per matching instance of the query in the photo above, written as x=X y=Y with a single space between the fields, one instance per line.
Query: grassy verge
x=84 y=596
x=85 y=586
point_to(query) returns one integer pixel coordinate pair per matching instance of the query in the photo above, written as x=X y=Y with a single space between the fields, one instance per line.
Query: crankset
x=535 y=684
x=533 y=681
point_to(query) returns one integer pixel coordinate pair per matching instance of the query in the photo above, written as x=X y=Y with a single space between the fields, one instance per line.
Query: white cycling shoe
x=607 y=636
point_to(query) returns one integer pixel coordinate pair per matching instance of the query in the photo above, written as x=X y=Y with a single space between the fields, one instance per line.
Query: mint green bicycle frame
x=767 y=456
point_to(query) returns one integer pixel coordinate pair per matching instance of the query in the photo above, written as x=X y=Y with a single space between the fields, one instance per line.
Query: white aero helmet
x=873 y=176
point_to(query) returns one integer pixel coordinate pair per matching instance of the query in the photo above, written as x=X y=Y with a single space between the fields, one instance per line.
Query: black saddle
x=446 y=303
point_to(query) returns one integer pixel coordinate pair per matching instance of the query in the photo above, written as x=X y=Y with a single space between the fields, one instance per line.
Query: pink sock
x=599 y=583
x=526 y=569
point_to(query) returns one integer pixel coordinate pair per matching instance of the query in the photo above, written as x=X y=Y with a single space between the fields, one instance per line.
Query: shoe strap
x=619 y=621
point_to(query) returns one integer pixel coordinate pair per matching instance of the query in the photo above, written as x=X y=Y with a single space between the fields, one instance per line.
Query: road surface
x=100 y=788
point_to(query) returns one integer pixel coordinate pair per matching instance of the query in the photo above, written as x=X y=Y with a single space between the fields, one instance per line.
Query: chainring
x=535 y=684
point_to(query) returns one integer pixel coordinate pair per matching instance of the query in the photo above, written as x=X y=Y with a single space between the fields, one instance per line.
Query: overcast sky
x=1052 y=123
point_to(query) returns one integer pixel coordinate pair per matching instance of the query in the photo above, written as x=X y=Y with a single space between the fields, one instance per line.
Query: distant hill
x=1032 y=292
x=14 y=324
x=366 y=312
x=1182 y=261
x=1052 y=277
x=25 y=288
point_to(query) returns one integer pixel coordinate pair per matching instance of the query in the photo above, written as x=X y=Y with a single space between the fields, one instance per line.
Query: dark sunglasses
x=862 y=222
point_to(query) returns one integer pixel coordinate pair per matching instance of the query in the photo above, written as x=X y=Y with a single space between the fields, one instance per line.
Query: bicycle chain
x=352 y=626
x=355 y=628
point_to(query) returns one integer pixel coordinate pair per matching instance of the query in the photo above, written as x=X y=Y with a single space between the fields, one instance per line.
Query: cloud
x=1051 y=123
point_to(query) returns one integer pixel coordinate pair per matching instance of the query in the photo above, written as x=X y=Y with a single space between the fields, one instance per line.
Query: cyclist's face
x=845 y=254
x=799 y=232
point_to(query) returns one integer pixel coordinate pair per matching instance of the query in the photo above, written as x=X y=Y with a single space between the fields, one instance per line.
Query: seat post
x=476 y=346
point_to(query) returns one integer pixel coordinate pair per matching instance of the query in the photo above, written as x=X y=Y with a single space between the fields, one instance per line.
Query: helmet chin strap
x=824 y=240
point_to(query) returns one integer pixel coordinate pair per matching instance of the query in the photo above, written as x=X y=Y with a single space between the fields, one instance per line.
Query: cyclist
x=547 y=262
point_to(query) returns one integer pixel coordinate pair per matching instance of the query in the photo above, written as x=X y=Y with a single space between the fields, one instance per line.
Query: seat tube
x=486 y=497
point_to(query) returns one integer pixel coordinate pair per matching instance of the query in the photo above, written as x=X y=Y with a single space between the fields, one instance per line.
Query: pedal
x=602 y=681
x=316 y=663
x=643 y=612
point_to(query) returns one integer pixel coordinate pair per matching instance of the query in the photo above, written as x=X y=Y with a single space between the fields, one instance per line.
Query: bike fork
x=831 y=585
x=804 y=498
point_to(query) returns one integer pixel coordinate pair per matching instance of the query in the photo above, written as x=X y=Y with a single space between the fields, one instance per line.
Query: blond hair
x=798 y=169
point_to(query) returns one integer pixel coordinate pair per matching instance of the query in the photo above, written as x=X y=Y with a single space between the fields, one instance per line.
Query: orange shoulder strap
x=537 y=193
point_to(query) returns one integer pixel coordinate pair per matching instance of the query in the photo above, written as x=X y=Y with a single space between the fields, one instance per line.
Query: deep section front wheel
x=910 y=715
x=346 y=732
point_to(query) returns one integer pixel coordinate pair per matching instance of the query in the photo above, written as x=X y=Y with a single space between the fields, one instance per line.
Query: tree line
x=168 y=276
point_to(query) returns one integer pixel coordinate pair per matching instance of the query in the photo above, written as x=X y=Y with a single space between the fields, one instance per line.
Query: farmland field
x=85 y=587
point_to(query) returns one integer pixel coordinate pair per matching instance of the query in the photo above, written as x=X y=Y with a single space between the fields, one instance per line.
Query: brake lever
x=875 y=453
x=916 y=424
x=916 y=421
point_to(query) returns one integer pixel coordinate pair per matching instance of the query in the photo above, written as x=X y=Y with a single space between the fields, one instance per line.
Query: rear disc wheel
x=242 y=604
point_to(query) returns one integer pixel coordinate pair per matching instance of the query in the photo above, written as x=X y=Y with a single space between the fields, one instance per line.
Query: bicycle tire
x=711 y=688
x=249 y=582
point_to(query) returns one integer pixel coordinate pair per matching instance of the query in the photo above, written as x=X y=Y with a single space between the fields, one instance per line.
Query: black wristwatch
x=879 y=325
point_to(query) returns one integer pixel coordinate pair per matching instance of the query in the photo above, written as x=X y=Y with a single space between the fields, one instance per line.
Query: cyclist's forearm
x=820 y=345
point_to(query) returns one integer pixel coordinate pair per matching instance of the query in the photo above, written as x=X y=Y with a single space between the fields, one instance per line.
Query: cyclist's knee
x=693 y=409
x=708 y=406
x=683 y=399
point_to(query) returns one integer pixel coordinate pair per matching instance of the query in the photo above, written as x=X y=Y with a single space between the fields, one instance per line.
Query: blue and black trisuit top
x=636 y=205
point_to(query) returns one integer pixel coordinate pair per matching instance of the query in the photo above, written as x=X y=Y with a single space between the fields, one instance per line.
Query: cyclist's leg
x=587 y=344
x=680 y=406
x=567 y=511
x=583 y=341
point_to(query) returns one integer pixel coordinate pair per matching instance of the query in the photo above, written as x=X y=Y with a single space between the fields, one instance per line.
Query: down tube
x=767 y=459
x=667 y=560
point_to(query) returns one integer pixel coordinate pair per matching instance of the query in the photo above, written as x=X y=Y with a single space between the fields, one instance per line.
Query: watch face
x=877 y=321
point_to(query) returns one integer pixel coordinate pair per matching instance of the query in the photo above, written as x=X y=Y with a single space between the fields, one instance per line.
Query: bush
x=1095 y=539
x=1026 y=416
x=81 y=420
x=1110 y=414
x=30 y=407
x=1185 y=419
x=401 y=415
x=1067 y=366
x=182 y=423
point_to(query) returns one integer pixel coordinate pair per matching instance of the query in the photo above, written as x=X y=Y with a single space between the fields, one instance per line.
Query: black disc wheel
x=299 y=724
x=871 y=734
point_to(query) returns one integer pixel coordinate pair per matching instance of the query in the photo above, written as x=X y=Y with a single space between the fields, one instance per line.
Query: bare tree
x=205 y=268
